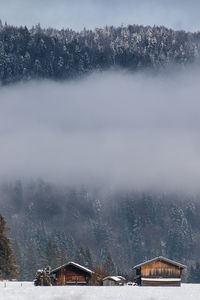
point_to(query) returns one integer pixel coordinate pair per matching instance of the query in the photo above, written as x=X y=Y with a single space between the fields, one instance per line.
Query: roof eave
x=161 y=258
x=75 y=265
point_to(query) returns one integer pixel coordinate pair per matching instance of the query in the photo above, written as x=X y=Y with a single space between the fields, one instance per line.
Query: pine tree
x=19 y=260
x=194 y=275
x=62 y=256
x=80 y=256
x=51 y=256
x=88 y=259
x=18 y=196
x=8 y=269
x=30 y=263
x=109 y=265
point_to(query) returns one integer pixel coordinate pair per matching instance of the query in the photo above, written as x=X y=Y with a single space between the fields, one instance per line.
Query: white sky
x=77 y=14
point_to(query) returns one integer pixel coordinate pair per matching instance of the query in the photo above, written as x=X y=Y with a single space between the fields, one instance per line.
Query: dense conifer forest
x=110 y=229
x=63 y=54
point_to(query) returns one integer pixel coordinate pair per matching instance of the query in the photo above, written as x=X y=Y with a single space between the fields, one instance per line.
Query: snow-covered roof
x=161 y=279
x=114 y=278
x=121 y=277
x=161 y=258
x=75 y=265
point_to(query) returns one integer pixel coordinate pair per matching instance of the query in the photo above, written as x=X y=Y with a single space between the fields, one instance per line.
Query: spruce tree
x=51 y=255
x=80 y=256
x=8 y=269
x=19 y=260
x=30 y=262
x=194 y=275
x=88 y=259
x=62 y=259
x=109 y=265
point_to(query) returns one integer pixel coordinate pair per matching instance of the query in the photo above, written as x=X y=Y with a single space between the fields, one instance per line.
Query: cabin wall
x=160 y=269
x=70 y=275
x=160 y=283
x=61 y=277
x=75 y=276
x=108 y=282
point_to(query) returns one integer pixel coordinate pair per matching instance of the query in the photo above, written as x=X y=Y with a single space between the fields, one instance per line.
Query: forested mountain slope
x=51 y=225
x=63 y=54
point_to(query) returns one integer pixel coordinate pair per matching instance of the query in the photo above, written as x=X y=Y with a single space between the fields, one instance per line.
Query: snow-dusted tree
x=19 y=259
x=109 y=265
x=30 y=262
x=179 y=236
x=8 y=268
x=43 y=277
x=194 y=273
x=88 y=259
x=51 y=255
x=80 y=256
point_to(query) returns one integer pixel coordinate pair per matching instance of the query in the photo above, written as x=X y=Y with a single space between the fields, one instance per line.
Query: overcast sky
x=110 y=129
x=77 y=14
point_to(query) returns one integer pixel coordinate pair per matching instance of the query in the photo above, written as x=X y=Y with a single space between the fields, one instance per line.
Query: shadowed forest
x=51 y=225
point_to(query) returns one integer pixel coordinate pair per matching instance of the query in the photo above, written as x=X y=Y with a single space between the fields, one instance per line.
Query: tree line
x=11 y=266
x=64 y=54
x=91 y=227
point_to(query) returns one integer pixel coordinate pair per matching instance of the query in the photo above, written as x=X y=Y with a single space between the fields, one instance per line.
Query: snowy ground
x=26 y=291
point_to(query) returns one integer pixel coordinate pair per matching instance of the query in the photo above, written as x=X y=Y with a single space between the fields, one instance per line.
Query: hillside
x=131 y=227
x=113 y=149
x=63 y=54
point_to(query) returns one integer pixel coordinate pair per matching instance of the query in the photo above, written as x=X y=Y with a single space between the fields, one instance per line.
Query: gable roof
x=161 y=258
x=71 y=263
x=114 y=278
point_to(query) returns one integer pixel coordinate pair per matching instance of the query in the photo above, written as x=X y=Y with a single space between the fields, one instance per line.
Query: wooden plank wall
x=69 y=275
x=156 y=283
x=160 y=269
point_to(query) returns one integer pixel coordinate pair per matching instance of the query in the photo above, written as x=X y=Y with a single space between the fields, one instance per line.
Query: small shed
x=113 y=280
x=159 y=271
x=71 y=274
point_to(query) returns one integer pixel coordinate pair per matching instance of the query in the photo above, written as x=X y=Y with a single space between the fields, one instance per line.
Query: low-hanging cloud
x=112 y=129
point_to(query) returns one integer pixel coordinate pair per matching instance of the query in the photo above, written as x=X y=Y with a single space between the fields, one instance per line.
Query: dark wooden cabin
x=159 y=271
x=71 y=274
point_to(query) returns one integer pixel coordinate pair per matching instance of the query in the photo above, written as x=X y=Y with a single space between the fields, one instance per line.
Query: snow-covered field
x=26 y=291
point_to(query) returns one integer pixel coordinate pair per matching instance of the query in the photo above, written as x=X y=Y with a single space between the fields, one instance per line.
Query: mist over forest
x=112 y=153
x=115 y=129
x=100 y=129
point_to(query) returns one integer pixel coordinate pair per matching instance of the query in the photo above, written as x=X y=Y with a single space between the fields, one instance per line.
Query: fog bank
x=112 y=129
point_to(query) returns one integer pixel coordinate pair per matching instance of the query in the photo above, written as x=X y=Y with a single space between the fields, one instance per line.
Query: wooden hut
x=159 y=271
x=71 y=274
x=113 y=280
